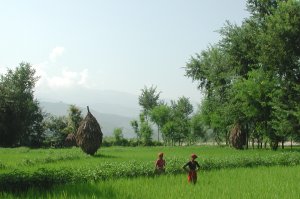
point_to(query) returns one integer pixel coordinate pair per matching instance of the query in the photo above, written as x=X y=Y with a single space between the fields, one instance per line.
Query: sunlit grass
x=260 y=182
x=31 y=159
x=23 y=168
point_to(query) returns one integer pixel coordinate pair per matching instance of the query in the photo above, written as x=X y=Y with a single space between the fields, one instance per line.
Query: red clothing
x=192 y=177
x=193 y=165
x=160 y=163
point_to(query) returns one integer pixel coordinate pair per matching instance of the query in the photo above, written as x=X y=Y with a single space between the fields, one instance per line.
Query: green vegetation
x=251 y=77
x=22 y=168
x=251 y=85
x=260 y=183
x=20 y=115
x=250 y=80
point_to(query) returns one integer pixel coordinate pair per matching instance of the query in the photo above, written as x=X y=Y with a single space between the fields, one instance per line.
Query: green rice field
x=128 y=172
x=260 y=182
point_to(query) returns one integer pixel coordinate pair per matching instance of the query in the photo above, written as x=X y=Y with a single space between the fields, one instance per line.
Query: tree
x=168 y=131
x=148 y=100
x=118 y=134
x=146 y=132
x=160 y=115
x=74 y=118
x=197 y=128
x=250 y=78
x=20 y=116
x=56 y=130
x=181 y=111
x=135 y=126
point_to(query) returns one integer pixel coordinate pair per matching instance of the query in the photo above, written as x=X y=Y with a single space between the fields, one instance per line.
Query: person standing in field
x=160 y=164
x=193 y=166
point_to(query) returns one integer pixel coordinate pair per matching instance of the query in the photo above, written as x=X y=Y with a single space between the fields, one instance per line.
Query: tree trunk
x=252 y=143
x=282 y=144
x=291 y=143
x=157 y=133
x=247 y=129
x=265 y=144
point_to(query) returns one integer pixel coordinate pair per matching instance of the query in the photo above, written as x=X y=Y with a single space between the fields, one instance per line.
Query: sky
x=120 y=45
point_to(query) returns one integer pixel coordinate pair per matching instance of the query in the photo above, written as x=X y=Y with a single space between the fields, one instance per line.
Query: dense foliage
x=22 y=121
x=251 y=77
x=174 y=121
x=20 y=114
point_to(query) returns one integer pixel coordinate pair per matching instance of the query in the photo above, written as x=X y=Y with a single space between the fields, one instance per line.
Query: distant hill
x=103 y=101
x=108 y=122
x=112 y=109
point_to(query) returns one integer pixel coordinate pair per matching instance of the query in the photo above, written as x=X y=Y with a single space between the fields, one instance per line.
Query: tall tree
x=118 y=134
x=250 y=78
x=20 y=115
x=181 y=111
x=146 y=132
x=148 y=99
x=197 y=128
x=160 y=115
x=135 y=125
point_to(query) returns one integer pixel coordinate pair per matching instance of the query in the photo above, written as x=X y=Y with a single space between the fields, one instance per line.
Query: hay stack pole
x=89 y=135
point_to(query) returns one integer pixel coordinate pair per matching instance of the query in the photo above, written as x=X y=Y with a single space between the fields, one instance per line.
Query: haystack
x=89 y=135
x=70 y=140
x=237 y=137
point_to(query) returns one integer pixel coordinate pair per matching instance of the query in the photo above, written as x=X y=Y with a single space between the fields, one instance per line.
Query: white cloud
x=40 y=72
x=54 y=77
x=68 y=79
x=83 y=77
x=56 y=52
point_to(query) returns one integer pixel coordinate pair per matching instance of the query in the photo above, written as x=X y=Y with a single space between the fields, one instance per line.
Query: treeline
x=250 y=80
x=22 y=121
x=251 y=77
x=161 y=123
x=175 y=123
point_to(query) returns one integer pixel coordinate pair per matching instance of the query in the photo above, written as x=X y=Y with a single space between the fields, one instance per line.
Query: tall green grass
x=23 y=168
x=259 y=183
x=31 y=159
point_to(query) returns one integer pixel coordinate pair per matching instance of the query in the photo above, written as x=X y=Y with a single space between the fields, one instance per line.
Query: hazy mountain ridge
x=108 y=122
x=112 y=109
x=110 y=102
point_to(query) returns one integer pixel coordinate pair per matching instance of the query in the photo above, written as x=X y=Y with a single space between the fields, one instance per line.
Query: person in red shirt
x=193 y=166
x=160 y=164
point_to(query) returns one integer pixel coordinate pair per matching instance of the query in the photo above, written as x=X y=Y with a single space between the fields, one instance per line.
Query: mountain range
x=107 y=122
x=112 y=109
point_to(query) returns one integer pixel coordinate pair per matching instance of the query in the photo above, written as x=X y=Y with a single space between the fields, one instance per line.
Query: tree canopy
x=20 y=114
x=251 y=77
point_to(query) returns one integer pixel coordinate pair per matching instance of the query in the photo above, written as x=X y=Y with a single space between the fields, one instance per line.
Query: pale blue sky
x=112 y=45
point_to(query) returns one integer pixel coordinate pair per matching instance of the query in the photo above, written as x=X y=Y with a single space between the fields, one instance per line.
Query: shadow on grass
x=296 y=149
x=104 y=156
x=66 y=191
x=287 y=148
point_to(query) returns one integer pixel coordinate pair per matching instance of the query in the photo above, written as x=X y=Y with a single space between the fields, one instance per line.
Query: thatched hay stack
x=89 y=135
x=70 y=140
x=237 y=137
